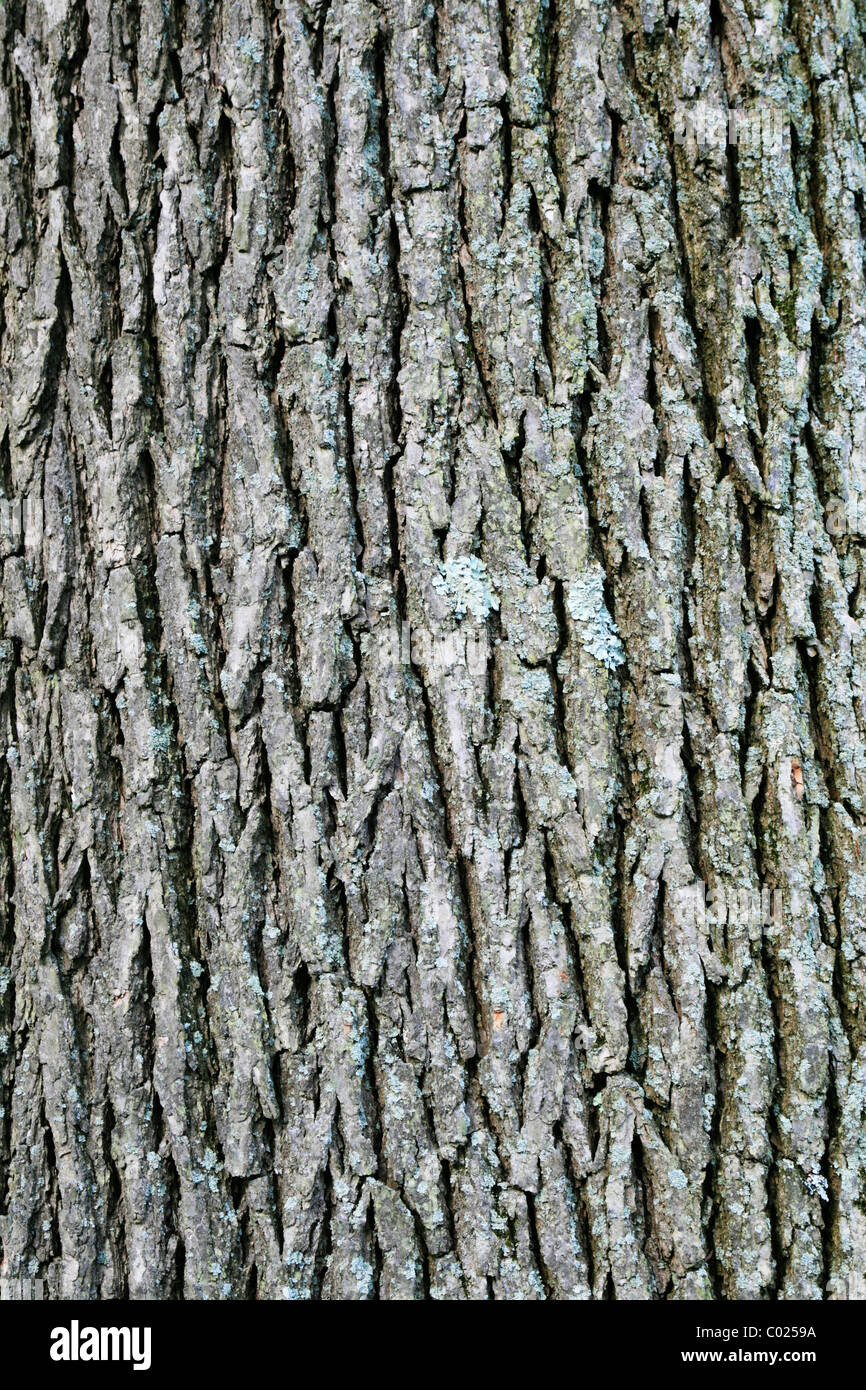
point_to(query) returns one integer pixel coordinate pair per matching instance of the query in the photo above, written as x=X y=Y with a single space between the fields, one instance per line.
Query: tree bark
x=433 y=663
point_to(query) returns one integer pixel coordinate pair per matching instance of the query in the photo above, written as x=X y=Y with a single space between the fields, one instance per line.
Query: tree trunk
x=433 y=671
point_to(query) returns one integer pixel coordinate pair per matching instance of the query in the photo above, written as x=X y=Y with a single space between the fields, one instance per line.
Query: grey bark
x=423 y=429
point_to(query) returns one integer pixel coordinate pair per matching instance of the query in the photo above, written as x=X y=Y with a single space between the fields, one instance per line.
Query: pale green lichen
x=596 y=628
x=464 y=581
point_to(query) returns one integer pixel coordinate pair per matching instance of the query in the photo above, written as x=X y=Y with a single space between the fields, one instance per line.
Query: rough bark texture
x=417 y=439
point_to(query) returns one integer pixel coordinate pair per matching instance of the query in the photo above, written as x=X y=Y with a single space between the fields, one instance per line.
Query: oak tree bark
x=432 y=447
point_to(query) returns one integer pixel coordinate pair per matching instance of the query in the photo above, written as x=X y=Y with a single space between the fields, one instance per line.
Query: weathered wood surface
x=433 y=448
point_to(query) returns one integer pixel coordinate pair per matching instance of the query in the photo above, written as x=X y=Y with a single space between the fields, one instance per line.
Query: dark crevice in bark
x=535 y=1244
x=50 y=1239
x=779 y=1254
x=474 y=335
x=114 y=1215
